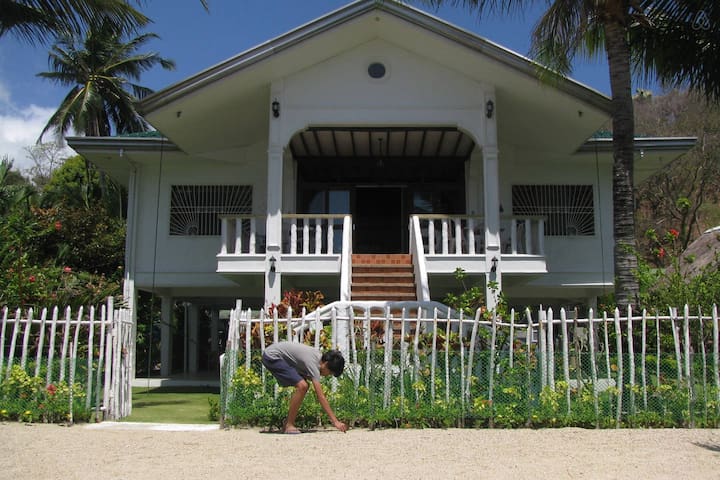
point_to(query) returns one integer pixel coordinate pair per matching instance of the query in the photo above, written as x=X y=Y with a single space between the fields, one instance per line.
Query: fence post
x=2 y=337
x=471 y=349
x=447 y=358
x=387 y=384
x=676 y=342
x=41 y=343
x=593 y=366
x=491 y=367
x=631 y=359
x=643 y=370
x=566 y=359
x=26 y=338
x=619 y=381
x=701 y=342
x=433 y=355
x=13 y=342
x=688 y=372
x=550 y=349
x=542 y=348
x=716 y=357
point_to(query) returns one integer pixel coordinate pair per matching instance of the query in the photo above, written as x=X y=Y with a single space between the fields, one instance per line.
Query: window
x=194 y=209
x=569 y=209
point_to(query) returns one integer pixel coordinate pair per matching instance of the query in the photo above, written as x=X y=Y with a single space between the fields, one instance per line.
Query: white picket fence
x=554 y=340
x=54 y=337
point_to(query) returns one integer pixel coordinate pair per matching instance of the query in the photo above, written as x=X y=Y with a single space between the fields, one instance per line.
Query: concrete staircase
x=382 y=277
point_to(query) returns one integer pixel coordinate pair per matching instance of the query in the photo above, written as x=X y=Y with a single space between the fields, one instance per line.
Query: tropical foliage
x=100 y=67
x=632 y=34
x=57 y=252
x=42 y=20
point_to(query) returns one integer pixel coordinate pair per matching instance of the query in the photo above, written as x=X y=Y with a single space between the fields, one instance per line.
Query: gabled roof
x=227 y=104
x=341 y=16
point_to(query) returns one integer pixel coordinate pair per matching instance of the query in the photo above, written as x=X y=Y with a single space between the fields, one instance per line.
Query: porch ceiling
x=379 y=143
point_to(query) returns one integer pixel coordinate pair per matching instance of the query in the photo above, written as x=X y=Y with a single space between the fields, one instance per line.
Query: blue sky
x=196 y=39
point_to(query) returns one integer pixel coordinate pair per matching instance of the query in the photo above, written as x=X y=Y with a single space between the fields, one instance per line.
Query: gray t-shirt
x=305 y=359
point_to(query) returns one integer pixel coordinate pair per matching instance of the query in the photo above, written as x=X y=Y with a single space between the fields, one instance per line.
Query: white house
x=377 y=130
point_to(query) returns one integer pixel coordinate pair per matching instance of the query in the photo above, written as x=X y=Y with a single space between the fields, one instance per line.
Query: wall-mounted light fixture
x=494 y=264
x=489 y=108
x=276 y=108
x=272 y=264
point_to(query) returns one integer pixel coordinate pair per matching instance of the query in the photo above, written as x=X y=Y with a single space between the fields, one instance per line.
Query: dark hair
x=334 y=361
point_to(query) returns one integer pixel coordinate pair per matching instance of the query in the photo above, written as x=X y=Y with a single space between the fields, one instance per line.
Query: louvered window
x=569 y=209
x=194 y=209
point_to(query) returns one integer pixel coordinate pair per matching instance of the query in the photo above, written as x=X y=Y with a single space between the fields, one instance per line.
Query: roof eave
x=680 y=144
x=126 y=144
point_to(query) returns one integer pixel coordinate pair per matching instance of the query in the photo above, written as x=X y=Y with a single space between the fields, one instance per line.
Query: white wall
x=187 y=257
x=576 y=254
x=339 y=91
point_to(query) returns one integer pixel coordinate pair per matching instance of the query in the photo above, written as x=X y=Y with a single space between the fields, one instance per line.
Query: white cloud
x=20 y=128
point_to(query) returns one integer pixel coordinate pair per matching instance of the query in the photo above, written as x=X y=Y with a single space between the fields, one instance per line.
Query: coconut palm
x=100 y=70
x=680 y=44
x=589 y=27
x=43 y=20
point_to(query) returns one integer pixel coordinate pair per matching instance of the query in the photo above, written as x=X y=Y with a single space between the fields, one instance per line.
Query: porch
x=438 y=244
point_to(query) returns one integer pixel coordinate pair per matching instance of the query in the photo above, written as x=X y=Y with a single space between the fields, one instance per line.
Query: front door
x=378 y=221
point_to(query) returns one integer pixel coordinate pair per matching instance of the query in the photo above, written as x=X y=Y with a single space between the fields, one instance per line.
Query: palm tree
x=100 y=71
x=589 y=27
x=42 y=20
x=680 y=44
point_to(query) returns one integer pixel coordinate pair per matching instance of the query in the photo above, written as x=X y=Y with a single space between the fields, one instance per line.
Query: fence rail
x=620 y=367
x=58 y=344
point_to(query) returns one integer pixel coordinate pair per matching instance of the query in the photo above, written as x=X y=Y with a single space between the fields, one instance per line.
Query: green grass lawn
x=175 y=405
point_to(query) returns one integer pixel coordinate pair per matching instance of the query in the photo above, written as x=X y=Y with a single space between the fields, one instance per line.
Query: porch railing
x=316 y=234
x=302 y=234
x=465 y=235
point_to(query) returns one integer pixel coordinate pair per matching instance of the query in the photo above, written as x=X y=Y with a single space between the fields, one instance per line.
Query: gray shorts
x=286 y=375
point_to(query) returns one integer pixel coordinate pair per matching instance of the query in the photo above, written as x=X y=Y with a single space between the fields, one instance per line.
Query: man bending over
x=293 y=365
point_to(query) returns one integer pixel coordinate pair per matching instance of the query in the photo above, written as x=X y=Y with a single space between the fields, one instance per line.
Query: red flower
x=674 y=233
x=67 y=269
x=31 y=278
x=51 y=389
x=58 y=225
x=661 y=252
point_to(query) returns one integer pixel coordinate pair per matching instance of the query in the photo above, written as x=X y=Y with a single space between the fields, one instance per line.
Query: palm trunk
x=625 y=259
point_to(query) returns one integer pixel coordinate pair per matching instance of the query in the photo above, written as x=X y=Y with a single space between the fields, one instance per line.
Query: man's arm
x=326 y=406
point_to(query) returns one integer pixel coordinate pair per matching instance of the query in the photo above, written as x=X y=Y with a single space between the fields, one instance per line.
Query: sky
x=197 y=39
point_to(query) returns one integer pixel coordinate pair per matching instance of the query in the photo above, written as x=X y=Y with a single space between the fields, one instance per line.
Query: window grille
x=569 y=209
x=194 y=209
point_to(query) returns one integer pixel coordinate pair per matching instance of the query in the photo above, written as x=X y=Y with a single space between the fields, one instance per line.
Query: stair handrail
x=428 y=308
x=417 y=252
x=346 y=259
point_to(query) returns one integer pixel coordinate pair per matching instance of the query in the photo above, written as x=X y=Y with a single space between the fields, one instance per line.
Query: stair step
x=385 y=296
x=383 y=277
x=385 y=287
x=381 y=269
x=394 y=277
x=381 y=258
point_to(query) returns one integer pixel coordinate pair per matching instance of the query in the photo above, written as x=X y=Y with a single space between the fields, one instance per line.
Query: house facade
x=375 y=135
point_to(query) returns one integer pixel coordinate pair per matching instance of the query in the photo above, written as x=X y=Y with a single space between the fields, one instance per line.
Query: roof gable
x=227 y=106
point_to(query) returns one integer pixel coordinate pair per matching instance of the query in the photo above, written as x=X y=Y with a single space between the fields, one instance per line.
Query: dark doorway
x=378 y=220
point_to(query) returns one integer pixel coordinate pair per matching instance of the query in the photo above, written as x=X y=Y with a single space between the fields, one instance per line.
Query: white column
x=274 y=198
x=192 y=338
x=129 y=290
x=166 y=336
x=214 y=338
x=491 y=184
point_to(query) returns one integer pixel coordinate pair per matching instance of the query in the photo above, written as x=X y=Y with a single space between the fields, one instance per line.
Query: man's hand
x=340 y=426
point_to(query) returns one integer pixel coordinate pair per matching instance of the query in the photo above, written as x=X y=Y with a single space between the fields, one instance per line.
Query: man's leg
x=296 y=400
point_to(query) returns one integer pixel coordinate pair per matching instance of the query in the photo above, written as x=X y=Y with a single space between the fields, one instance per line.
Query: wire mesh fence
x=422 y=368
